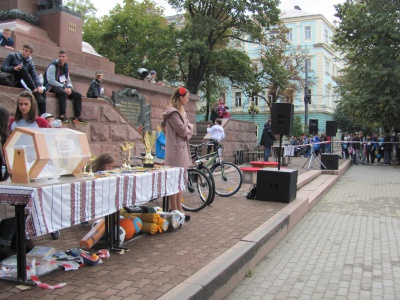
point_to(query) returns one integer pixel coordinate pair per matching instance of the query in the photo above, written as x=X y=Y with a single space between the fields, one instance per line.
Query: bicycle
x=198 y=190
x=227 y=176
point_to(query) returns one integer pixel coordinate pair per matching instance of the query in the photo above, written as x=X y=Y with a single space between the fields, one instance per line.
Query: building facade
x=313 y=32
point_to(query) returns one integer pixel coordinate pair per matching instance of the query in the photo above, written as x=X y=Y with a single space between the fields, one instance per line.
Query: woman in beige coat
x=178 y=131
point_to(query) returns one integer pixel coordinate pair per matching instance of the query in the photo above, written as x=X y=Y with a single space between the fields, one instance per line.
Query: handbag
x=252 y=192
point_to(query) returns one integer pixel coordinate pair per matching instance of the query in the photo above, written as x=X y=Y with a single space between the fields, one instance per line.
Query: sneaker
x=64 y=119
x=55 y=235
x=79 y=120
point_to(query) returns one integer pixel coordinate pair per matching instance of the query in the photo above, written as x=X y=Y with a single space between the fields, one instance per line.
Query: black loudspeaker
x=276 y=186
x=331 y=162
x=331 y=128
x=313 y=126
x=282 y=118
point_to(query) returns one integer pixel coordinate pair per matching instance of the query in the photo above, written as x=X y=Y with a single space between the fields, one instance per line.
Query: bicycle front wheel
x=227 y=178
x=198 y=191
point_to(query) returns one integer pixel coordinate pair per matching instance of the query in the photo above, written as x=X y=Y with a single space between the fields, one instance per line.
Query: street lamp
x=253 y=110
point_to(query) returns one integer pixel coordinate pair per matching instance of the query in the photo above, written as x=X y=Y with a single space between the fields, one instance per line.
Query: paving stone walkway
x=346 y=247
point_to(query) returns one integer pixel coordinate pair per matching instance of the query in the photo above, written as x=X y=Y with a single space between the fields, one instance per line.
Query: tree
x=369 y=36
x=213 y=25
x=84 y=7
x=280 y=70
x=134 y=35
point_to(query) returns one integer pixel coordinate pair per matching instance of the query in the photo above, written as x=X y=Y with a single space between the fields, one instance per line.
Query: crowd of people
x=370 y=149
x=305 y=145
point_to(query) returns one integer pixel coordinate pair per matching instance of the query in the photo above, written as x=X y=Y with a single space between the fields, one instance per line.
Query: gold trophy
x=128 y=147
x=124 y=165
x=90 y=164
x=149 y=138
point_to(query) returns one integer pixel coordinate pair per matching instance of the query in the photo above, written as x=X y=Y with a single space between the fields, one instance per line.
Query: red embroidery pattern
x=126 y=186
x=159 y=179
x=82 y=199
x=40 y=199
x=153 y=182
x=73 y=203
x=93 y=198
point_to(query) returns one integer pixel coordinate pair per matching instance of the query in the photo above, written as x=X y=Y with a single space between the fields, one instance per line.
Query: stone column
x=63 y=26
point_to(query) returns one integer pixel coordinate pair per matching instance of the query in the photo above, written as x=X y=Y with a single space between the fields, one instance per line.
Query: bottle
x=41 y=79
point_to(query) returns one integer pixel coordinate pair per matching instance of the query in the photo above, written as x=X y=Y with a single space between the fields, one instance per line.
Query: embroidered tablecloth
x=51 y=207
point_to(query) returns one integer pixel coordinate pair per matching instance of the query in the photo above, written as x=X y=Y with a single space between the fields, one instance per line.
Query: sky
x=324 y=7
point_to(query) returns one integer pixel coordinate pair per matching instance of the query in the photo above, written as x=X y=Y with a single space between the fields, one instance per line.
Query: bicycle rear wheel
x=210 y=177
x=198 y=191
x=227 y=178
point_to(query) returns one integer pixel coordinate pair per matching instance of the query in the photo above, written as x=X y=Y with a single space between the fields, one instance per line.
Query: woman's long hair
x=32 y=112
x=175 y=101
x=99 y=164
x=4 y=120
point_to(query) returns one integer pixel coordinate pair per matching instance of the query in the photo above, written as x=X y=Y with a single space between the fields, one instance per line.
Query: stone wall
x=238 y=135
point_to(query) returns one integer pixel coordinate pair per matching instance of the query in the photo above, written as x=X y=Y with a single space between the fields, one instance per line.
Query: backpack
x=7 y=79
x=252 y=192
x=221 y=111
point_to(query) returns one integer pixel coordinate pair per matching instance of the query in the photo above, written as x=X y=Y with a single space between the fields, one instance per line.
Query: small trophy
x=149 y=138
x=128 y=147
x=124 y=150
x=90 y=164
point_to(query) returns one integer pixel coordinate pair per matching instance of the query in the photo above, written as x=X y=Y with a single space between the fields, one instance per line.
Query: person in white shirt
x=217 y=134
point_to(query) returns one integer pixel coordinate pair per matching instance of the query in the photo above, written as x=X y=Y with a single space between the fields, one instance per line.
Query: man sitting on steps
x=58 y=81
x=20 y=64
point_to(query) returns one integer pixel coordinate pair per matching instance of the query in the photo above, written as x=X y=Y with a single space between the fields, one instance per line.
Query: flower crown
x=182 y=91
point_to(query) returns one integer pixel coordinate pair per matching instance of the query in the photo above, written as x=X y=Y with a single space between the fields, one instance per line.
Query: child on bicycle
x=217 y=134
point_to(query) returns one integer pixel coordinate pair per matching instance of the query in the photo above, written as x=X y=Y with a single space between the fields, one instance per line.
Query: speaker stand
x=311 y=161
x=279 y=152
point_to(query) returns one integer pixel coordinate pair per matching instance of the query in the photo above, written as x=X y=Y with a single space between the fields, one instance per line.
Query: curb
x=218 y=278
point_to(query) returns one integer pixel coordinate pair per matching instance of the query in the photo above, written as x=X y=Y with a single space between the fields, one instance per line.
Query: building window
x=289 y=65
x=255 y=99
x=238 y=99
x=257 y=132
x=289 y=35
x=307 y=32
x=308 y=64
x=326 y=37
x=327 y=65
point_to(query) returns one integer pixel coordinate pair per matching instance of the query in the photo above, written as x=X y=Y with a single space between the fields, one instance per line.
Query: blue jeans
x=267 y=151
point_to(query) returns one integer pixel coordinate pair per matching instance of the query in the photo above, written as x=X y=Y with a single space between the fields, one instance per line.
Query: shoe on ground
x=187 y=218
x=79 y=120
x=85 y=224
x=64 y=119
x=55 y=235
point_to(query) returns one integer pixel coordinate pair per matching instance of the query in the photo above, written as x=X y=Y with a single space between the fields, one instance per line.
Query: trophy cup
x=90 y=164
x=128 y=147
x=149 y=138
x=124 y=150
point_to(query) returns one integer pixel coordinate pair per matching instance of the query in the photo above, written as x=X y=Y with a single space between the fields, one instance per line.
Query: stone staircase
x=201 y=132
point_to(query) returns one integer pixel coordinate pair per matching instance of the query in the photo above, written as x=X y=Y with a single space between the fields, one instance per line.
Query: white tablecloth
x=52 y=207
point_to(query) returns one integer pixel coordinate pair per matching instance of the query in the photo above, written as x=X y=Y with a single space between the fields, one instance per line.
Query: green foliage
x=297 y=126
x=369 y=36
x=134 y=35
x=211 y=27
x=84 y=7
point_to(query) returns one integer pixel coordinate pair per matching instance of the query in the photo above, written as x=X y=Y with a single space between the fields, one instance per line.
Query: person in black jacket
x=20 y=64
x=267 y=139
x=95 y=90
